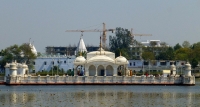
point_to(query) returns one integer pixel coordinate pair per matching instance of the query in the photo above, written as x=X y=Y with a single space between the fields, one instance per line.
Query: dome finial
x=80 y=53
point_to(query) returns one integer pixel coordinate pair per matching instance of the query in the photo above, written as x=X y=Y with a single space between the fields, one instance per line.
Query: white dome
x=79 y=60
x=121 y=60
x=100 y=58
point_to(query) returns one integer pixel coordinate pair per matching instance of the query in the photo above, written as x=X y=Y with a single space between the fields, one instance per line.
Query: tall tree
x=169 y=54
x=177 y=46
x=183 y=54
x=120 y=42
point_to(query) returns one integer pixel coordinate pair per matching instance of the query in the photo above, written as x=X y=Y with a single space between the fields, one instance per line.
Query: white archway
x=121 y=70
x=100 y=70
x=109 y=70
x=92 y=70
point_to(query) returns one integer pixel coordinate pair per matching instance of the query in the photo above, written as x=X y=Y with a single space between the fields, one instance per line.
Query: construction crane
x=132 y=35
x=104 y=30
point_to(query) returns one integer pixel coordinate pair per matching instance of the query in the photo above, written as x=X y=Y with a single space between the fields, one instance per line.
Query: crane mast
x=104 y=30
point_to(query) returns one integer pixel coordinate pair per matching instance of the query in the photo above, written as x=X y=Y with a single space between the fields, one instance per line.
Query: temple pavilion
x=100 y=63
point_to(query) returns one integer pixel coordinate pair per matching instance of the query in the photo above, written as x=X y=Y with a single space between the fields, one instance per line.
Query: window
x=53 y=62
x=163 y=63
x=33 y=62
x=130 y=64
x=65 y=62
x=146 y=63
x=134 y=63
x=45 y=63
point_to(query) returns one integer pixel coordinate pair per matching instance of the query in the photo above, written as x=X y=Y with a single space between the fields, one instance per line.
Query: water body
x=100 y=96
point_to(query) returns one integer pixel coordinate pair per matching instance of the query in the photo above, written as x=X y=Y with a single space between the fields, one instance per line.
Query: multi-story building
x=156 y=49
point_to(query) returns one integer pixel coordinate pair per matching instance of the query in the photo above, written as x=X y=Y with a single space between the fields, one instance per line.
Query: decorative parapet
x=185 y=80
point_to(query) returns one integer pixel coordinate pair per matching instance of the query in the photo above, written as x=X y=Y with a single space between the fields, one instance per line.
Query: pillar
x=104 y=70
x=115 y=71
x=187 y=69
x=96 y=71
x=75 y=72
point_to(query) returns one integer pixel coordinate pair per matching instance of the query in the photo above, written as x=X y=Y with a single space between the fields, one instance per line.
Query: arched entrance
x=80 y=70
x=121 y=70
x=100 y=70
x=92 y=70
x=109 y=70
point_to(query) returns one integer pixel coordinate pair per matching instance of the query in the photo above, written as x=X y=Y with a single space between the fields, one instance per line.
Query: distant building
x=157 y=48
x=148 y=43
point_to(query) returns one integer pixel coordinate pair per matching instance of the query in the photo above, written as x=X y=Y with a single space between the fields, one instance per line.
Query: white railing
x=99 y=79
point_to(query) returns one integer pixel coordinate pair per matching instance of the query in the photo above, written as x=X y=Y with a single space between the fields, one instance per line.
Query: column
x=96 y=71
x=104 y=70
x=115 y=71
x=75 y=72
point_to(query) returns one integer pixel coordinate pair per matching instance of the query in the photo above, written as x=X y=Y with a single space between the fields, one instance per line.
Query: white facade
x=45 y=63
x=138 y=65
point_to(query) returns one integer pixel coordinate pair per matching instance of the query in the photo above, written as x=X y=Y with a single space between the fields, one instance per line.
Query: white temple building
x=101 y=63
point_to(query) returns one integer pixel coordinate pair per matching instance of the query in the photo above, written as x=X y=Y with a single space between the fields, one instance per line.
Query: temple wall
x=100 y=80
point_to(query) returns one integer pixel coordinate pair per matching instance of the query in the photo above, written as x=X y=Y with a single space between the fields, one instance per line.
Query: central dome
x=99 y=58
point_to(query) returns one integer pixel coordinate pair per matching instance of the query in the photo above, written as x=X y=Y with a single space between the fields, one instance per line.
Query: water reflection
x=96 y=97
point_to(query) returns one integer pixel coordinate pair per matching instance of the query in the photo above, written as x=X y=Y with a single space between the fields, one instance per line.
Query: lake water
x=100 y=96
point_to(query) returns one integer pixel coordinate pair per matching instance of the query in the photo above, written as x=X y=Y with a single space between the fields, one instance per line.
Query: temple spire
x=81 y=46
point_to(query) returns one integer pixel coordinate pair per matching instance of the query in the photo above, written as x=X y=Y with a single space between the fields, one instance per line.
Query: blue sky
x=45 y=21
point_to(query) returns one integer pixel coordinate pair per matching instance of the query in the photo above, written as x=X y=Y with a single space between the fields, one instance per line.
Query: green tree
x=183 y=54
x=177 y=46
x=84 y=54
x=121 y=42
x=169 y=54
x=194 y=62
x=195 y=45
x=21 y=53
x=148 y=56
x=195 y=51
